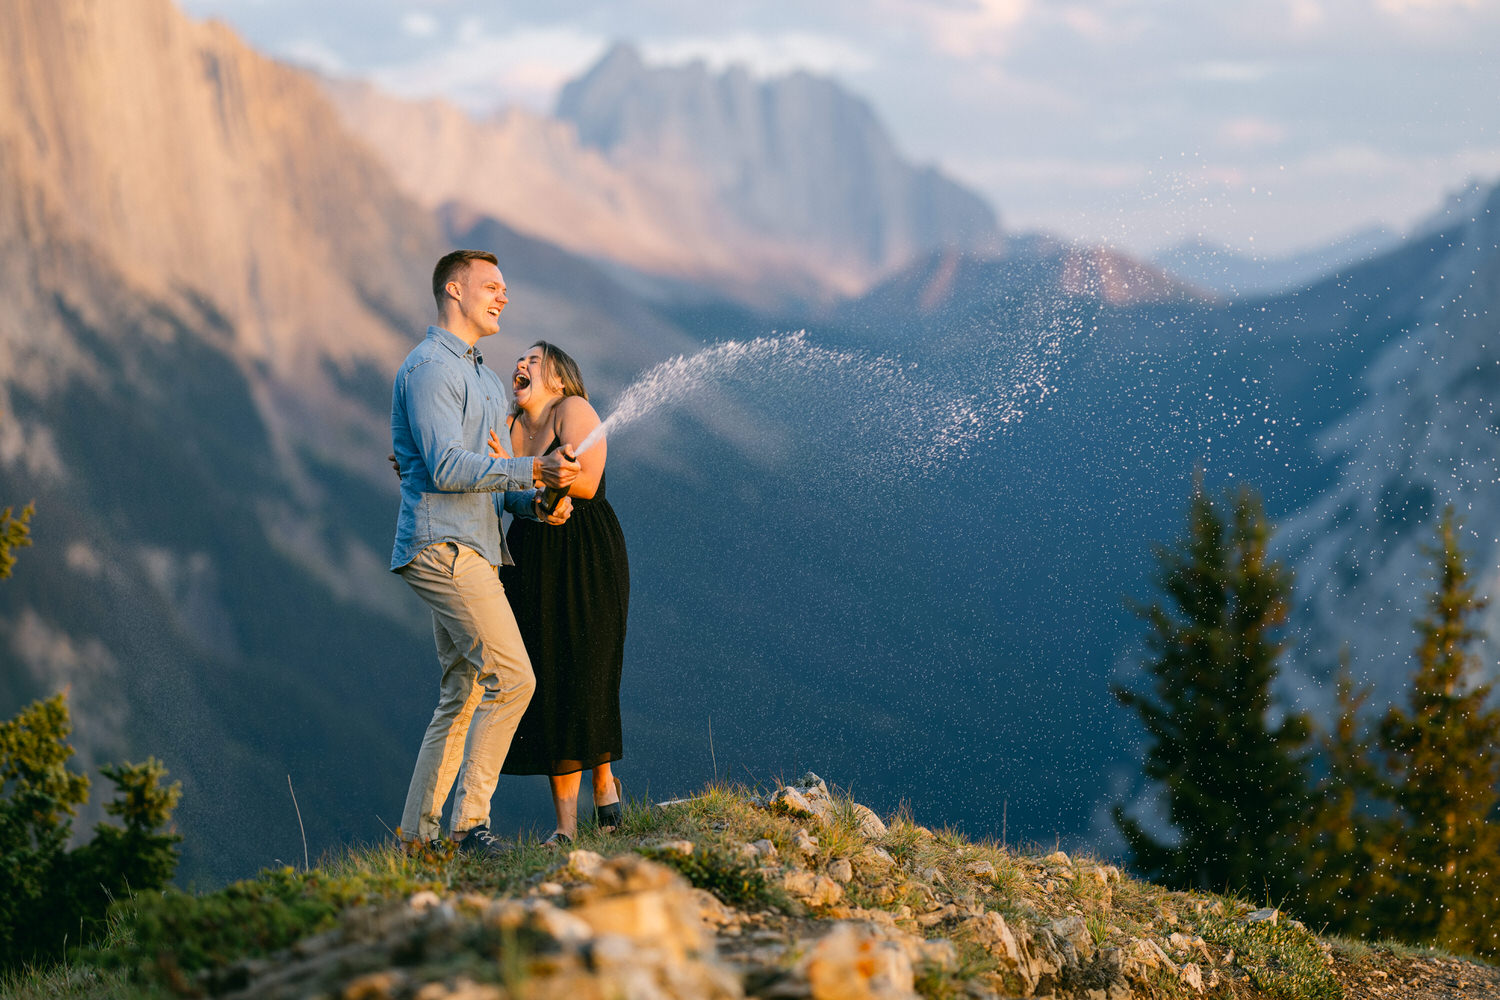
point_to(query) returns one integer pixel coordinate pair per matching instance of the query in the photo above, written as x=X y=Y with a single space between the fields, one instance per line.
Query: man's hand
x=560 y=513
x=556 y=469
x=394 y=464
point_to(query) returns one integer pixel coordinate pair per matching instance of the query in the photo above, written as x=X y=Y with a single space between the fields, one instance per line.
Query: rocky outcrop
x=795 y=158
x=907 y=913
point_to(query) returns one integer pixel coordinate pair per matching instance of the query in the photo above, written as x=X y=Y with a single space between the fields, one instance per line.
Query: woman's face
x=529 y=381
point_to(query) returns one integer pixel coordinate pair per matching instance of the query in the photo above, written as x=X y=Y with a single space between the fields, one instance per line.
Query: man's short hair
x=451 y=264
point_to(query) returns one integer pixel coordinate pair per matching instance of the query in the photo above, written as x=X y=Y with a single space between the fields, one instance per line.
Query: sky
x=1270 y=126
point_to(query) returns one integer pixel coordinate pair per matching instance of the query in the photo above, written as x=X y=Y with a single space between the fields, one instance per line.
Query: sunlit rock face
x=202 y=169
x=783 y=191
x=796 y=158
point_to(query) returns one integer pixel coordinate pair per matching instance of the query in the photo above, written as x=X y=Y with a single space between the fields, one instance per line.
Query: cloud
x=768 y=54
x=1408 y=7
x=482 y=71
x=1227 y=71
x=1250 y=132
x=966 y=29
x=419 y=24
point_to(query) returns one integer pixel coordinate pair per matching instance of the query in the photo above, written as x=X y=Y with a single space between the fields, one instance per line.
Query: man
x=448 y=544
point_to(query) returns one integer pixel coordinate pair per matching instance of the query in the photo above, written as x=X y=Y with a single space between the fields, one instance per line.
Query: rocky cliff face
x=796 y=158
x=774 y=192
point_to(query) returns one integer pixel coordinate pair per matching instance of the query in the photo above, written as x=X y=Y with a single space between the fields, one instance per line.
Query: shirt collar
x=454 y=343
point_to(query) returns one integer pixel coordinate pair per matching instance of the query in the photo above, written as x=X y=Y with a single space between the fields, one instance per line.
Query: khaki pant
x=486 y=685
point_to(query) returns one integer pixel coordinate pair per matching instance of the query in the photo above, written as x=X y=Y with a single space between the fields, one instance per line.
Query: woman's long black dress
x=570 y=591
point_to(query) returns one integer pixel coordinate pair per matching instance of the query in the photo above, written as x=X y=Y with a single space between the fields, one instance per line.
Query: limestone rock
x=870 y=825
x=854 y=962
x=840 y=870
x=874 y=861
x=647 y=903
x=1058 y=858
x=1075 y=930
x=680 y=847
x=1192 y=977
x=1268 y=915
x=812 y=889
x=584 y=863
x=806 y=843
x=794 y=801
x=979 y=868
x=992 y=933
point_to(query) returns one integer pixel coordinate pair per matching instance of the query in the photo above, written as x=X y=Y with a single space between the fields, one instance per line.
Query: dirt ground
x=1389 y=977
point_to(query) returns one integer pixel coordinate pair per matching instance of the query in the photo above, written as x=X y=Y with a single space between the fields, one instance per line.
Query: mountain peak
x=796 y=159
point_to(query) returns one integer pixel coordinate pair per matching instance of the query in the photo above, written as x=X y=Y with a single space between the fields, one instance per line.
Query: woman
x=570 y=590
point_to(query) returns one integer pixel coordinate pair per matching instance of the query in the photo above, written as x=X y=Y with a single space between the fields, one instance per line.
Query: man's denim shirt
x=444 y=405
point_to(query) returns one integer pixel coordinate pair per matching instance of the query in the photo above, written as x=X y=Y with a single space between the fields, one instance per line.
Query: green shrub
x=175 y=934
x=728 y=876
x=1283 y=959
x=56 y=896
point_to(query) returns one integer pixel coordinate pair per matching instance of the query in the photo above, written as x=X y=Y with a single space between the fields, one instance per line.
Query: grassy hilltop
x=792 y=893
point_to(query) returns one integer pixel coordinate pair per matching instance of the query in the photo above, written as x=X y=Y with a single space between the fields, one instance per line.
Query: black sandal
x=608 y=817
x=558 y=839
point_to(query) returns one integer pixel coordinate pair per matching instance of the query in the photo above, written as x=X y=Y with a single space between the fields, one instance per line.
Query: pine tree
x=36 y=817
x=15 y=533
x=1235 y=785
x=55 y=896
x=1441 y=864
x=1342 y=833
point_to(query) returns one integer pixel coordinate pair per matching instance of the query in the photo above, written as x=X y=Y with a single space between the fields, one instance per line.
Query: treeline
x=1381 y=824
x=54 y=897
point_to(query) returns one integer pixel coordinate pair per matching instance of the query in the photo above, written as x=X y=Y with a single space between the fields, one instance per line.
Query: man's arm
x=434 y=409
x=525 y=503
x=520 y=503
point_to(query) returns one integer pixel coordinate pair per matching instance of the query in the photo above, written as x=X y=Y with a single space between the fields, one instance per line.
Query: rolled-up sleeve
x=520 y=503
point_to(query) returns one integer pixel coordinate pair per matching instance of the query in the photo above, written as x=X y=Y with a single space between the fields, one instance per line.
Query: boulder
x=991 y=932
x=813 y=889
x=870 y=825
x=584 y=863
x=1075 y=931
x=857 y=962
x=874 y=862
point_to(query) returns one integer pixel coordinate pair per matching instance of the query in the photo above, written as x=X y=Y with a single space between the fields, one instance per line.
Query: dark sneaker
x=480 y=842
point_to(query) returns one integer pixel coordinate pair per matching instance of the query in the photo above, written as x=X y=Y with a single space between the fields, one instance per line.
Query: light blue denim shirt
x=444 y=404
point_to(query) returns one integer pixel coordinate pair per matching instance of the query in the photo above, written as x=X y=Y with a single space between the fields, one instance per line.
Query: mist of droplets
x=893 y=415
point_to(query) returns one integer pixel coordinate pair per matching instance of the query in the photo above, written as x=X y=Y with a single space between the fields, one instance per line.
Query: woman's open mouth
x=520 y=382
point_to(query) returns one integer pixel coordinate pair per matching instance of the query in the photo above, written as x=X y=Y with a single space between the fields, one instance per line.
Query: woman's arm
x=576 y=419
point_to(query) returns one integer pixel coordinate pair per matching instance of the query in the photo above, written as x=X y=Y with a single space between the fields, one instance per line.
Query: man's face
x=481 y=296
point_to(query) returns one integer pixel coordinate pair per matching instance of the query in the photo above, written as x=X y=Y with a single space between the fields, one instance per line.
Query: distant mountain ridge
x=796 y=157
x=786 y=191
x=1229 y=272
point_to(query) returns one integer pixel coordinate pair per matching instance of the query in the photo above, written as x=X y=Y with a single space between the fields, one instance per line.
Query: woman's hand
x=559 y=513
x=497 y=450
